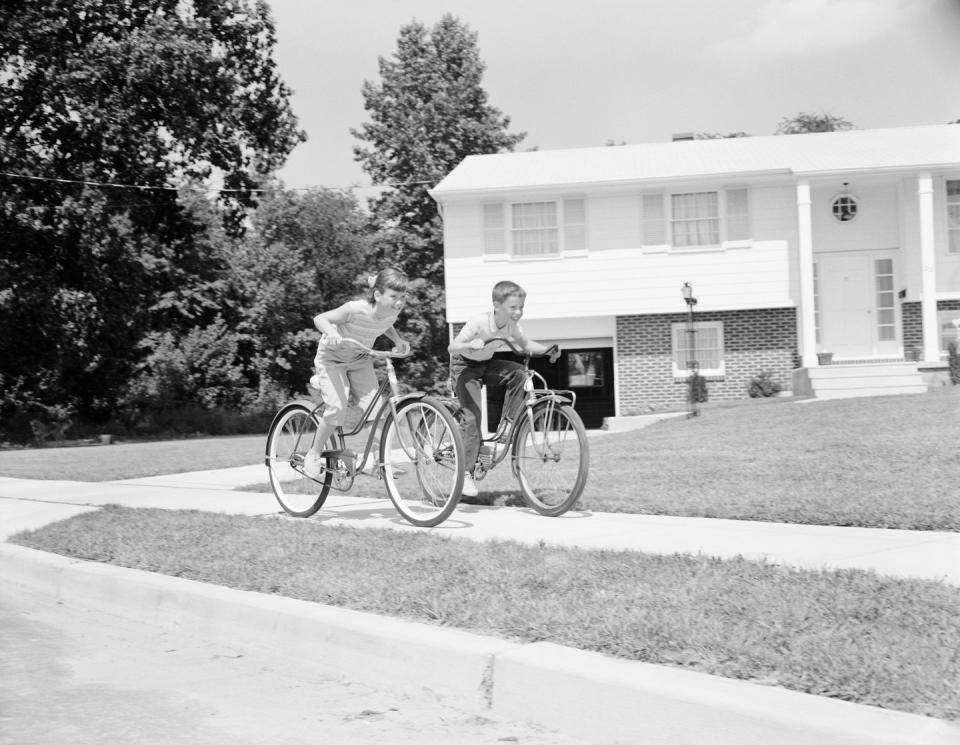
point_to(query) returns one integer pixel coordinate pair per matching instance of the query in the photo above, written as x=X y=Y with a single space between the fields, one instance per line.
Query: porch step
x=850 y=381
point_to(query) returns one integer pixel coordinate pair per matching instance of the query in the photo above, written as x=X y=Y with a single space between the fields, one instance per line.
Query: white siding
x=626 y=282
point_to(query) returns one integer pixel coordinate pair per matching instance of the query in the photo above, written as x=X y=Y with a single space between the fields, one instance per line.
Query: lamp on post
x=692 y=365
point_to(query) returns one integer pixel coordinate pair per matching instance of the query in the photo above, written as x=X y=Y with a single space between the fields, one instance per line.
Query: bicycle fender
x=312 y=406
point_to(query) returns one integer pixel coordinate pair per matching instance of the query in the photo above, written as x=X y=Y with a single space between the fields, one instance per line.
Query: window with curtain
x=695 y=219
x=705 y=218
x=535 y=230
x=705 y=346
x=953 y=216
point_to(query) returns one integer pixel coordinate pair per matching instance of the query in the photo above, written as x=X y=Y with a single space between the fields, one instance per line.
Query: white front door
x=856 y=303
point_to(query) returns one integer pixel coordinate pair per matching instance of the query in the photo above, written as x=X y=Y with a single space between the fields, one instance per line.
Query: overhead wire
x=208 y=189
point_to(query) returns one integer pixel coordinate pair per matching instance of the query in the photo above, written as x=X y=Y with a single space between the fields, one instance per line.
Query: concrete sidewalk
x=26 y=504
x=591 y=696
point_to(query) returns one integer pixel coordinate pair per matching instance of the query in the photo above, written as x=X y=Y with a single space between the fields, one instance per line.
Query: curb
x=581 y=694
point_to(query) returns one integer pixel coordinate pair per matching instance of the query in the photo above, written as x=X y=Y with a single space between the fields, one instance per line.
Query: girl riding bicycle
x=342 y=371
x=472 y=364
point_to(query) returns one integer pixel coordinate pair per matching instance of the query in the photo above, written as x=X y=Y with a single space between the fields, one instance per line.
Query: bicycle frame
x=534 y=396
x=388 y=396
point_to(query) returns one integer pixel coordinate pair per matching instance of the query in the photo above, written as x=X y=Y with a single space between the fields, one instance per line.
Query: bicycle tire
x=551 y=457
x=290 y=437
x=422 y=461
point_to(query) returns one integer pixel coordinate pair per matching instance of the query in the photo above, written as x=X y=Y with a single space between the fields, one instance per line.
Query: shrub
x=763 y=386
x=696 y=389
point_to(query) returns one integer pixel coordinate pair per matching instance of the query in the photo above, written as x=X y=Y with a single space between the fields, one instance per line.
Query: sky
x=582 y=74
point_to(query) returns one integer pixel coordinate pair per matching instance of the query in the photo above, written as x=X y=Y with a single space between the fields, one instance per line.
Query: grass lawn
x=849 y=634
x=885 y=462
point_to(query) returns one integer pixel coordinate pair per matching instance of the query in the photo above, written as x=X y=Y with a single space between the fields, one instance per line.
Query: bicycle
x=547 y=443
x=420 y=455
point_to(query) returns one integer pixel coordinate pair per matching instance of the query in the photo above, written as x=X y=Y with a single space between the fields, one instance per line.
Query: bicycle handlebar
x=551 y=350
x=381 y=353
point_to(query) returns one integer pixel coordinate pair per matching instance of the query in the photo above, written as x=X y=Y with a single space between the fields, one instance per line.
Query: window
x=695 y=219
x=703 y=346
x=536 y=229
x=949 y=323
x=886 y=305
x=953 y=216
x=844 y=208
x=585 y=369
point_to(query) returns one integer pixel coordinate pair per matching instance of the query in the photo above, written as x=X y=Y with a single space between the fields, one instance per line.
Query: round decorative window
x=844 y=208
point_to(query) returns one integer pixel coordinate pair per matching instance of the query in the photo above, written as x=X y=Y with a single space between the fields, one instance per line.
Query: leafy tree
x=807 y=123
x=428 y=112
x=95 y=95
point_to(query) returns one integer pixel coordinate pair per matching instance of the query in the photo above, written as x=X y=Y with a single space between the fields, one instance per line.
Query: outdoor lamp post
x=692 y=364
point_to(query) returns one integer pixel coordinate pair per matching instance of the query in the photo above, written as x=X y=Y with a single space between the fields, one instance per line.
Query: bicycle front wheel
x=551 y=457
x=290 y=438
x=421 y=453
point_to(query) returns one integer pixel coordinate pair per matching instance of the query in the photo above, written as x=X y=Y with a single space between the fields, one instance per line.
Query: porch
x=850 y=379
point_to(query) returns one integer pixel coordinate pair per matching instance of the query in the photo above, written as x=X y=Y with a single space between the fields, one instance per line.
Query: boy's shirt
x=485 y=327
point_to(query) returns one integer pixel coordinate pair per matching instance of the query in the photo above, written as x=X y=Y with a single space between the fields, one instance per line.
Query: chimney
x=682 y=136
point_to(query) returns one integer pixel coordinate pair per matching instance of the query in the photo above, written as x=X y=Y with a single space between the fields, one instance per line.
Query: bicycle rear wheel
x=422 y=456
x=290 y=438
x=551 y=457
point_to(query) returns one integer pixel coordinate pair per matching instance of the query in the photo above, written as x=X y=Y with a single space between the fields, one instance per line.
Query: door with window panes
x=857 y=313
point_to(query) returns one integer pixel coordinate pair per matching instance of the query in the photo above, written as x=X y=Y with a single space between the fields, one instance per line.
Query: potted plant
x=824 y=358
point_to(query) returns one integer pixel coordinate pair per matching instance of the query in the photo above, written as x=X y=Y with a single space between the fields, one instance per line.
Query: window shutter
x=654 y=220
x=574 y=225
x=738 y=215
x=494 y=234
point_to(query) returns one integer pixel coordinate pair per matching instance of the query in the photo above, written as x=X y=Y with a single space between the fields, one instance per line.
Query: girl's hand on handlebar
x=332 y=340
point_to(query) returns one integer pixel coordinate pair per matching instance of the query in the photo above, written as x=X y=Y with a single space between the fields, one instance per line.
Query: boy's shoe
x=469 y=487
x=313 y=464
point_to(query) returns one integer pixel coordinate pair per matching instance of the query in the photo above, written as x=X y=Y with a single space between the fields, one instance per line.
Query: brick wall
x=755 y=341
x=912 y=321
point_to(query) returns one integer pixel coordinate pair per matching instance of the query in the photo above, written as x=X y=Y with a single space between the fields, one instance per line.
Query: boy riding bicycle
x=472 y=365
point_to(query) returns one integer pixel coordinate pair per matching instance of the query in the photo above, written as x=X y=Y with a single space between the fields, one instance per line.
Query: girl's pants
x=341 y=381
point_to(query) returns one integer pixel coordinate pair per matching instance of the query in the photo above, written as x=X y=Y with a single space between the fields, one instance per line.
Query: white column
x=928 y=273
x=808 y=331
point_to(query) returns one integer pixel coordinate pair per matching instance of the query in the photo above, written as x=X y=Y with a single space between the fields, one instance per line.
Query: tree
x=106 y=108
x=428 y=112
x=807 y=123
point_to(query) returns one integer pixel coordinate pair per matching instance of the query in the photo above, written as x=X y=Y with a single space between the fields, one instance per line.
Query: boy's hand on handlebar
x=402 y=347
x=477 y=344
x=553 y=353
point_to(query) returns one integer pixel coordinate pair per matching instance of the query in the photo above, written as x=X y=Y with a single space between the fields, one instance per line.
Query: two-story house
x=847 y=242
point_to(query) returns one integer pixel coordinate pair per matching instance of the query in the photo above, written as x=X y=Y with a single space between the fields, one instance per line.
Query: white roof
x=903 y=148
